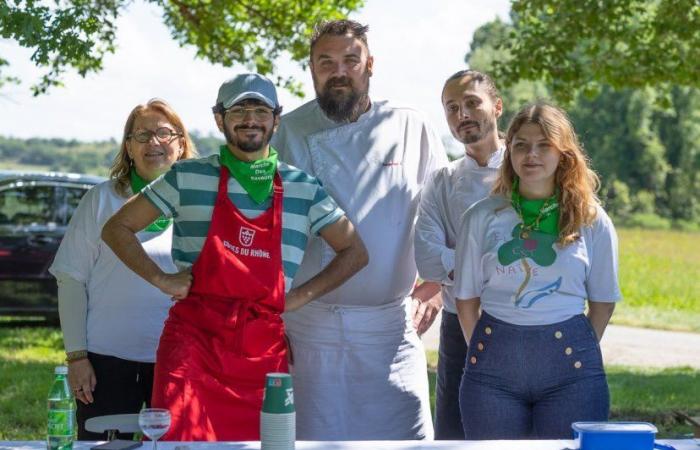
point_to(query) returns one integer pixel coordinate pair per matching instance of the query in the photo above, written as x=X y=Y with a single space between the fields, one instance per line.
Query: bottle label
x=60 y=422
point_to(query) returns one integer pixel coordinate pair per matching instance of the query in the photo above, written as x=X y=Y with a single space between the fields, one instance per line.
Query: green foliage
x=575 y=45
x=644 y=142
x=75 y=34
x=79 y=33
x=63 y=155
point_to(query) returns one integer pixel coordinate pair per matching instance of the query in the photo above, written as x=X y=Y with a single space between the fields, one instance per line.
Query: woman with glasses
x=531 y=258
x=110 y=317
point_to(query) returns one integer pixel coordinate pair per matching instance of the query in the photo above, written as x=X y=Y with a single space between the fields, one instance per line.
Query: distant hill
x=74 y=156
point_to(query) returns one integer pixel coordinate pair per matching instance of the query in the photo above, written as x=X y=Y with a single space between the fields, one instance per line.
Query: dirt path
x=629 y=346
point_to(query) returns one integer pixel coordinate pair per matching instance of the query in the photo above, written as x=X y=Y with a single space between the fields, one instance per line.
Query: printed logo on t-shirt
x=538 y=248
x=246 y=236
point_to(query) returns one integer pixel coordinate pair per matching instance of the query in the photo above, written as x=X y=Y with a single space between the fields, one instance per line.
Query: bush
x=648 y=221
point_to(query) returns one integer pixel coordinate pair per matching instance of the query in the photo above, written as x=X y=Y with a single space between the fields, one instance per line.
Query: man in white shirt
x=359 y=368
x=472 y=107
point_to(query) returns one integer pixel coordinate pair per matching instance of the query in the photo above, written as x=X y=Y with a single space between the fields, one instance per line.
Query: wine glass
x=154 y=423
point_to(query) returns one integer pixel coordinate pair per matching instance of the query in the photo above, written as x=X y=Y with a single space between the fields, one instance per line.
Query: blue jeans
x=451 y=355
x=532 y=382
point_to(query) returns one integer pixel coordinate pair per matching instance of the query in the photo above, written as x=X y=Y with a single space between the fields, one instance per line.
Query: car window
x=28 y=205
x=72 y=197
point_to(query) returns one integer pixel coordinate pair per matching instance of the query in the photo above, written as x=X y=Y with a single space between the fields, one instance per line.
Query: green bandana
x=537 y=215
x=256 y=177
x=137 y=185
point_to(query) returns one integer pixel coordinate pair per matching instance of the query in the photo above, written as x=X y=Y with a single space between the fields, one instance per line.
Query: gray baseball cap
x=247 y=86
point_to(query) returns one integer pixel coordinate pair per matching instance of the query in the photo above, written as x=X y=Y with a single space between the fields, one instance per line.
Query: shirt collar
x=494 y=162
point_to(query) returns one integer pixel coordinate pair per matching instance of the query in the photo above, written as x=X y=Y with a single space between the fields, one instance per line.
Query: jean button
x=578 y=364
x=488 y=330
x=480 y=346
x=568 y=350
x=558 y=334
x=472 y=360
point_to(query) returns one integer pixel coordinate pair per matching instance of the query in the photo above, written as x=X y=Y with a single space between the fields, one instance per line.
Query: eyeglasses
x=239 y=113
x=163 y=134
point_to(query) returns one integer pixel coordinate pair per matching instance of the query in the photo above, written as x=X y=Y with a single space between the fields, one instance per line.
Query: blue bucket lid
x=614 y=427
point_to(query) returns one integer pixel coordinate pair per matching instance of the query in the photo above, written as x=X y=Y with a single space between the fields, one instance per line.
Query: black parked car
x=34 y=211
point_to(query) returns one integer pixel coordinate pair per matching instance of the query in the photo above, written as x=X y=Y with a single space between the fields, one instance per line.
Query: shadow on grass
x=653 y=396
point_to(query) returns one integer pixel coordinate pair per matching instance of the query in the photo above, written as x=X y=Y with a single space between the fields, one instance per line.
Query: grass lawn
x=29 y=354
x=660 y=280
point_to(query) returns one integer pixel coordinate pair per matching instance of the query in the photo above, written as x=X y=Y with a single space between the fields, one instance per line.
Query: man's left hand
x=427 y=303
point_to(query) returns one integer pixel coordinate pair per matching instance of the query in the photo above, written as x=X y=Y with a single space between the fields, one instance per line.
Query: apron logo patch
x=276 y=382
x=245 y=236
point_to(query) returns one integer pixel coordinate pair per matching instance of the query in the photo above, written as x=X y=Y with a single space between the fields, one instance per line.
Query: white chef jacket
x=359 y=368
x=374 y=168
x=125 y=314
x=447 y=195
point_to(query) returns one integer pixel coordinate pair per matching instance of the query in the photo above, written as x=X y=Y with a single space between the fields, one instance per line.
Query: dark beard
x=248 y=146
x=341 y=108
x=484 y=129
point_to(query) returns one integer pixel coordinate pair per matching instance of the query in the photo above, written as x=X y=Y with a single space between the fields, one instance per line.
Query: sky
x=416 y=45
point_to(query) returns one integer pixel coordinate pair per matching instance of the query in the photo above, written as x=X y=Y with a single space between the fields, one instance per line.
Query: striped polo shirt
x=187 y=193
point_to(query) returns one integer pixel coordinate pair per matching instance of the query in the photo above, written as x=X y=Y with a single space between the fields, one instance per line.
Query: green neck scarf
x=256 y=177
x=537 y=215
x=137 y=185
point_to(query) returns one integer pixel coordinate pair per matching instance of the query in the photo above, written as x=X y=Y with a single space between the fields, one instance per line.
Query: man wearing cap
x=360 y=369
x=241 y=222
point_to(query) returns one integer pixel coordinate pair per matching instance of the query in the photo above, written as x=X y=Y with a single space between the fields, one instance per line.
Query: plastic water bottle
x=61 y=423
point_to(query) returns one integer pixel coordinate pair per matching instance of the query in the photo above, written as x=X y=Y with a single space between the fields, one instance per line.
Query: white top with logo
x=524 y=292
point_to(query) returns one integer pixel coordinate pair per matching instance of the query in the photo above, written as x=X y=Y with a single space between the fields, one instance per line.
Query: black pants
x=122 y=388
x=451 y=355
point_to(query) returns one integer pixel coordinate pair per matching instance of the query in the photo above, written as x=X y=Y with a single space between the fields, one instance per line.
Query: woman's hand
x=81 y=379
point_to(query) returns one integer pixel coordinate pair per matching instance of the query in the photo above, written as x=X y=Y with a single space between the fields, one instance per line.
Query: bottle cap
x=61 y=370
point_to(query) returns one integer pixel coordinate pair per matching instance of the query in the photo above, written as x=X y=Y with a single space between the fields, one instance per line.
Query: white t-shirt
x=447 y=195
x=375 y=169
x=520 y=290
x=125 y=313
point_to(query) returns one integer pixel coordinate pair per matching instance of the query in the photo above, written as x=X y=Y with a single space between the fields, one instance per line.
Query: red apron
x=220 y=341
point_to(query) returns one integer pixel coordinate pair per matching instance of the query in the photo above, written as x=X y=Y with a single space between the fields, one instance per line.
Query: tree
x=583 y=44
x=647 y=153
x=78 y=34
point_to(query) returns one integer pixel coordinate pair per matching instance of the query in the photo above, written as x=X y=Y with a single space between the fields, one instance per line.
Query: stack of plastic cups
x=278 y=416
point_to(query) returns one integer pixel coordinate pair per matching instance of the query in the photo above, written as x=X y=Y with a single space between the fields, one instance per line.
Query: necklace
x=545 y=213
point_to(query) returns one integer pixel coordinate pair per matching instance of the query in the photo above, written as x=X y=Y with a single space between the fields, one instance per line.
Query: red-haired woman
x=530 y=257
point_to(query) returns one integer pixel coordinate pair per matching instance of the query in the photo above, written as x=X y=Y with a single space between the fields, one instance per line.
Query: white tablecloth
x=686 y=444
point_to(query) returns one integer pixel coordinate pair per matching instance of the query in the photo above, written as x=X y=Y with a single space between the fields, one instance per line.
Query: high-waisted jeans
x=532 y=382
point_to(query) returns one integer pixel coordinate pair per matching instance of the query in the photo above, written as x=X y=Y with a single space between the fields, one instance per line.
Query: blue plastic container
x=614 y=435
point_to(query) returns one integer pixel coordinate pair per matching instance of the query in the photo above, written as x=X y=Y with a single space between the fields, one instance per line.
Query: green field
x=660 y=280
x=28 y=356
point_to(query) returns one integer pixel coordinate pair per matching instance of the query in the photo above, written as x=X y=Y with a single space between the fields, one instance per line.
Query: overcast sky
x=416 y=44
